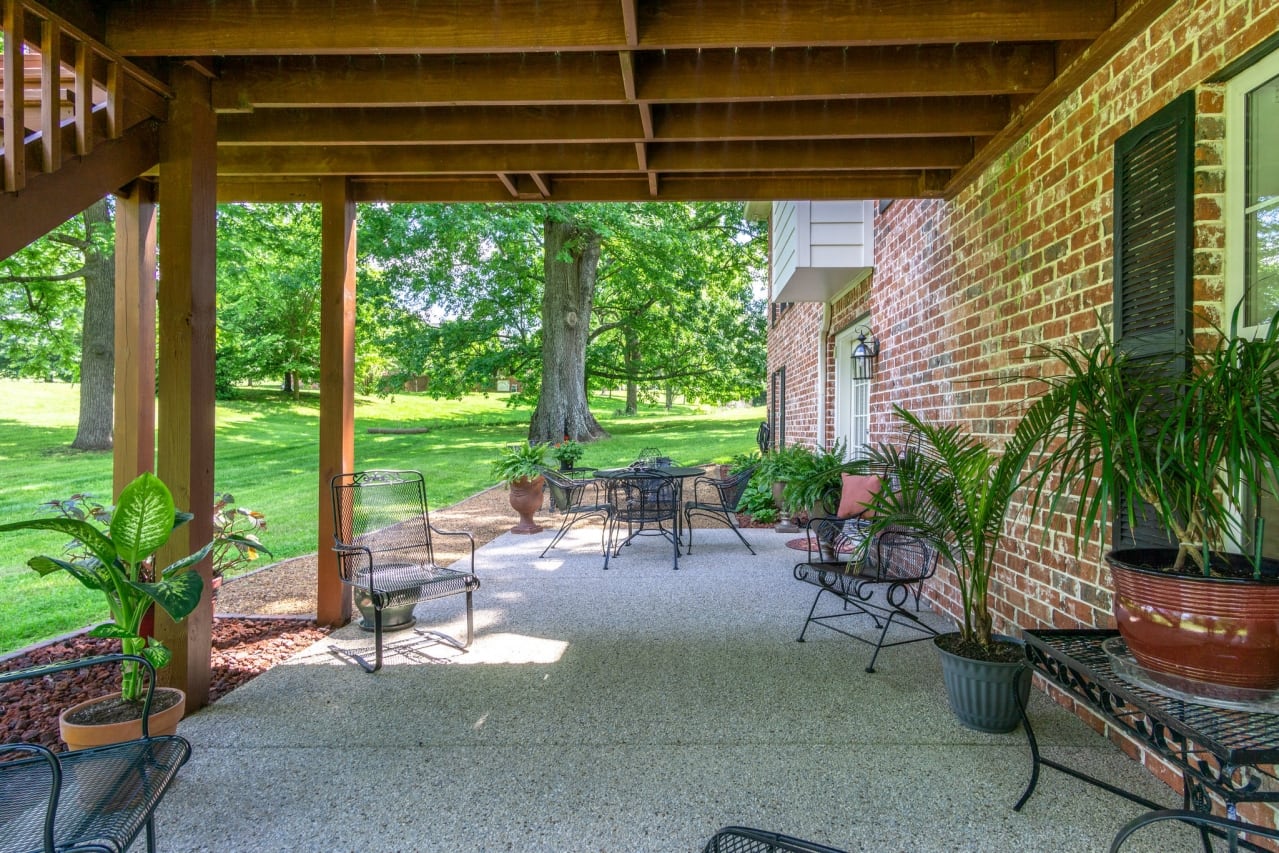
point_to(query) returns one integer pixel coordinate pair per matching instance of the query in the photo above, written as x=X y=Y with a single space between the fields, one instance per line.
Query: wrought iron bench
x=90 y=799
x=845 y=567
x=382 y=535
x=743 y=839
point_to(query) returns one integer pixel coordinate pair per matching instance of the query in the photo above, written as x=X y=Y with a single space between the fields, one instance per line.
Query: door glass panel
x=1261 y=211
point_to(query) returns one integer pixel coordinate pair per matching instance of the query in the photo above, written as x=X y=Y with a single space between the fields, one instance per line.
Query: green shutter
x=1154 y=215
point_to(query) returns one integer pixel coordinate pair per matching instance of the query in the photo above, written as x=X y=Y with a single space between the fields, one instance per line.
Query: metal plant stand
x=1219 y=751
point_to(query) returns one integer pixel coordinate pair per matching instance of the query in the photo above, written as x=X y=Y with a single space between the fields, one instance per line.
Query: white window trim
x=1237 y=89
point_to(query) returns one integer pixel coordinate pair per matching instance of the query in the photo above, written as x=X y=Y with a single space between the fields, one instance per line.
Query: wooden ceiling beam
x=431 y=125
x=405 y=81
x=811 y=155
x=676 y=76
x=778 y=157
x=277 y=27
x=847 y=119
x=424 y=159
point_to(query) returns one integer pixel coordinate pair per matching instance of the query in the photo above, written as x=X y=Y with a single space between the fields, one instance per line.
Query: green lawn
x=267 y=458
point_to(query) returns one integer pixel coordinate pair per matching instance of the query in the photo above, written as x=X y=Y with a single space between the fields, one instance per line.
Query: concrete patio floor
x=634 y=709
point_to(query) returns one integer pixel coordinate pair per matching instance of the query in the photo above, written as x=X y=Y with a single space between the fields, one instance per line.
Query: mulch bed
x=242 y=649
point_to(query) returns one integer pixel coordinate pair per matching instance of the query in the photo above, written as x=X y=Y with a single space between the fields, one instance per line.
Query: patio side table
x=1218 y=750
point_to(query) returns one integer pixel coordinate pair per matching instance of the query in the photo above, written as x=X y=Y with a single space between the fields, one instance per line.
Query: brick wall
x=963 y=290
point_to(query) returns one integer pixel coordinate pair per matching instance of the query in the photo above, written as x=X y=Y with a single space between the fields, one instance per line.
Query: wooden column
x=134 y=428
x=184 y=451
x=337 y=383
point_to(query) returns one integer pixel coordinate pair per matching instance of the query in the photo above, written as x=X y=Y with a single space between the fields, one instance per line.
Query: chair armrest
x=15 y=766
x=469 y=536
x=349 y=553
x=718 y=485
x=1231 y=828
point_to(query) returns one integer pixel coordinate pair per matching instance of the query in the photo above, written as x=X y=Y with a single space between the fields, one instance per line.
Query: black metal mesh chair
x=717 y=498
x=382 y=534
x=743 y=839
x=89 y=799
x=647 y=502
x=577 y=500
x=850 y=569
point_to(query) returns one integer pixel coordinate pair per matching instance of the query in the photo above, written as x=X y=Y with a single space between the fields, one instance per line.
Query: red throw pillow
x=856 y=493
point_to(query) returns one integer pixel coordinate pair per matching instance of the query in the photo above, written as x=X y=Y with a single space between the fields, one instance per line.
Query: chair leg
x=604 y=541
x=809 y=619
x=564 y=526
x=733 y=527
x=151 y=833
x=470 y=621
x=688 y=525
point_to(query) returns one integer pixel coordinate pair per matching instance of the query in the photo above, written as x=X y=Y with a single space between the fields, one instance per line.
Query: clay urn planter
x=80 y=729
x=520 y=468
x=526 y=499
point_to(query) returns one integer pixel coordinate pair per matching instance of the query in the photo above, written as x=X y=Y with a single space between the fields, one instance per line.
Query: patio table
x=677 y=473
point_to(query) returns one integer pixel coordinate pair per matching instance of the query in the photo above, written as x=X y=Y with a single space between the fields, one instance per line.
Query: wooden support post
x=337 y=382
x=13 y=125
x=184 y=452
x=134 y=428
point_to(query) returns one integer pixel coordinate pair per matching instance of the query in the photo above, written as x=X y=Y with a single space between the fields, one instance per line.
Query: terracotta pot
x=526 y=499
x=1217 y=630
x=165 y=722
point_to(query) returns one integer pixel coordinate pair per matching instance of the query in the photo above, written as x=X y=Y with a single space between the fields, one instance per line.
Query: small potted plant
x=779 y=467
x=567 y=452
x=520 y=467
x=120 y=565
x=1192 y=438
x=953 y=493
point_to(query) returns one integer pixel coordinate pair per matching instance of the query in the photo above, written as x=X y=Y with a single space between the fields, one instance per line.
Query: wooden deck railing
x=62 y=92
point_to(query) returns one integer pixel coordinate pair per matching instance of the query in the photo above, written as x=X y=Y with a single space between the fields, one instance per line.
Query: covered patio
x=637 y=709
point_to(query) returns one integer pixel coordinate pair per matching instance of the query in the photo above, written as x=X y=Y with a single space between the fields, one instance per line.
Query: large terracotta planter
x=526 y=499
x=83 y=737
x=1223 y=631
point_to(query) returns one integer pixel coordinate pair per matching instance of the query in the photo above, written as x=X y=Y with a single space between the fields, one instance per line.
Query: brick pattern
x=964 y=290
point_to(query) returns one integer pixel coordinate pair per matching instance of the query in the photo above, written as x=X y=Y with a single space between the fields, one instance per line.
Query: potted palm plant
x=520 y=467
x=121 y=566
x=953 y=492
x=1192 y=440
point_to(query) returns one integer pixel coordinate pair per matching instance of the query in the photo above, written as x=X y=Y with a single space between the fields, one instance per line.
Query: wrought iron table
x=1226 y=752
x=677 y=474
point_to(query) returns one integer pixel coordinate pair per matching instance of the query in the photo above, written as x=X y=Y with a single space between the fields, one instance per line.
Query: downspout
x=822 y=414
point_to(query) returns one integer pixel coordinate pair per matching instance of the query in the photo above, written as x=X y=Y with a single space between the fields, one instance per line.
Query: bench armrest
x=83 y=663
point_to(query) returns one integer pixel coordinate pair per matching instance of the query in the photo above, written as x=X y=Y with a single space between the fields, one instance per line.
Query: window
x=852 y=396
x=1252 y=230
x=1252 y=190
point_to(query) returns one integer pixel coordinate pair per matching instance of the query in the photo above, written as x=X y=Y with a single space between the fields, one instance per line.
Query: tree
x=54 y=331
x=572 y=255
x=268 y=294
x=468 y=293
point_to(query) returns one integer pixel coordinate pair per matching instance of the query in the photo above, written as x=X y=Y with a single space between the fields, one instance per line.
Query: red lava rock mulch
x=242 y=650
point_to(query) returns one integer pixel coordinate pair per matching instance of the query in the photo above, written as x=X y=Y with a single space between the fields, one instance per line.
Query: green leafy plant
x=1121 y=430
x=816 y=482
x=235 y=535
x=953 y=492
x=120 y=564
x=568 y=452
x=784 y=465
x=519 y=462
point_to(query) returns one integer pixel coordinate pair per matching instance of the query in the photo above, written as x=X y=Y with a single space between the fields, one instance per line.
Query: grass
x=267 y=457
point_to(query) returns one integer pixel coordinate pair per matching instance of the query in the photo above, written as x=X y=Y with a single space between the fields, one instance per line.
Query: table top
x=1075 y=661
x=673 y=471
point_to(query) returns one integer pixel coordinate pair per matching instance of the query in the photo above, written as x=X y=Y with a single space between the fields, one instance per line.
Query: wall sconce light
x=865 y=354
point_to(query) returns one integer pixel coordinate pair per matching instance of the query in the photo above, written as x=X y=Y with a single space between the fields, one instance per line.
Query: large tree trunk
x=567 y=301
x=97 y=348
x=631 y=357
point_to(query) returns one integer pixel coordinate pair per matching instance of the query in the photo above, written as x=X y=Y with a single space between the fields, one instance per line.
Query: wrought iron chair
x=721 y=498
x=851 y=569
x=382 y=535
x=576 y=500
x=743 y=839
x=646 y=501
